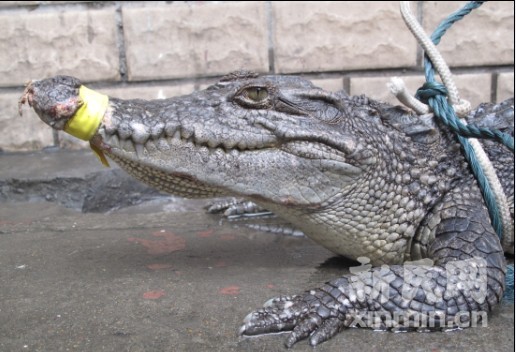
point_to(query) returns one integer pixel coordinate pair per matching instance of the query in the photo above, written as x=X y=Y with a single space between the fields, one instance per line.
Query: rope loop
x=437 y=101
x=431 y=90
x=434 y=94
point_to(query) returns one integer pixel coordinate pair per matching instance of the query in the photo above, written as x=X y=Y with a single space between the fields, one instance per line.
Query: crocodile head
x=271 y=139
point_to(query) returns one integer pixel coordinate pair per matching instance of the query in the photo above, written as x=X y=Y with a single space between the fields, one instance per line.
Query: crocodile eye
x=254 y=97
x=257 y=94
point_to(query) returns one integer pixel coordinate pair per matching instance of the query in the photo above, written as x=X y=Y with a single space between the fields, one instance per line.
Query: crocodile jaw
x=218 y=141
x=193 y=169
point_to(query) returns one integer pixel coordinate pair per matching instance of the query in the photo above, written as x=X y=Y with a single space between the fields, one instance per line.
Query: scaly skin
x=362 y=178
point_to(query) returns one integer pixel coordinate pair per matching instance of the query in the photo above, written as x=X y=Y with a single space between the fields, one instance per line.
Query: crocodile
x=367 y=180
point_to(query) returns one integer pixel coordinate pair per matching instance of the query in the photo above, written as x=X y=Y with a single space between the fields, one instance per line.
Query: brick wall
x=162 y=49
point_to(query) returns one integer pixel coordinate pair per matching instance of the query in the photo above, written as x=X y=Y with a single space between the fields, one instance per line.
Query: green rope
x=454 y=17
x=442 y=109
x=436 y=95
x=508 y=295
x=432 y=89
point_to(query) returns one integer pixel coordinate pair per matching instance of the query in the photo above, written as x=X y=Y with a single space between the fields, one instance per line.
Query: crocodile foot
x=236 y=209
x=233 y=208
x=316 y=315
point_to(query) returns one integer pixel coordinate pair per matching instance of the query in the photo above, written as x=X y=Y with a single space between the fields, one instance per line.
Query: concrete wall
x=162 y=49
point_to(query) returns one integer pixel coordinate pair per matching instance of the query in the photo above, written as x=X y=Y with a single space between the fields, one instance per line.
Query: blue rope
x=508 y=295
x=454 y=17
x=436 y=95
x=431 y=87
x=443 y=110
x=442 y=28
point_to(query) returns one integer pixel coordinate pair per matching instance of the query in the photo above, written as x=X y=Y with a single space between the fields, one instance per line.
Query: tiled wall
x=161 y=49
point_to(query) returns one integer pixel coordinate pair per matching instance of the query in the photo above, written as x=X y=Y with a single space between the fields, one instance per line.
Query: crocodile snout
x=55 y=99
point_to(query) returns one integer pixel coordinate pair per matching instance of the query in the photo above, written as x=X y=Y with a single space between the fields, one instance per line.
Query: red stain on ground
x=205 y=234
x=227 y=237
x=158 y=266
x=154 y=294
x=232 y=290
x=220 y=264
x=167 y=243
x=270 y=286
x=14 y=223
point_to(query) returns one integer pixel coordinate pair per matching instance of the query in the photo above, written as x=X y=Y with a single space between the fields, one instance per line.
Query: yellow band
x=87 y=119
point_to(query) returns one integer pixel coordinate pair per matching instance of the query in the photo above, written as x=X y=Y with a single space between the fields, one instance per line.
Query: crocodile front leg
x=465 y=282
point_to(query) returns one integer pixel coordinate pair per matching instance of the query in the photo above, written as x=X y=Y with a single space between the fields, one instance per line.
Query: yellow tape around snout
x=86 y=121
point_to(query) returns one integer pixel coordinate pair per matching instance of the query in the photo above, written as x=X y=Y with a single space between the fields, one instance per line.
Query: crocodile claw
x=314 y=315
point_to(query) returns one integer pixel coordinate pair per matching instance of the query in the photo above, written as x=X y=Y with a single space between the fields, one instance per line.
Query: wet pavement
x=160 y=275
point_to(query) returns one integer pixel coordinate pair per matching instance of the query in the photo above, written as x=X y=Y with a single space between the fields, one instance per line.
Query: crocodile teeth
x=186 y=133
x=110 y=128
x=140 y=133
x=162 y=145
x=150 y=146
x=136 y=137
x=157 y=130
x=127 y=146
x=124 y=130
x=171 y=128
x=113 y=140
x=176 y=135
x=140 y=150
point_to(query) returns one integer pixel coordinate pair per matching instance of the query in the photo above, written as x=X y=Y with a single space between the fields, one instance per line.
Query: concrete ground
x=161 y=275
